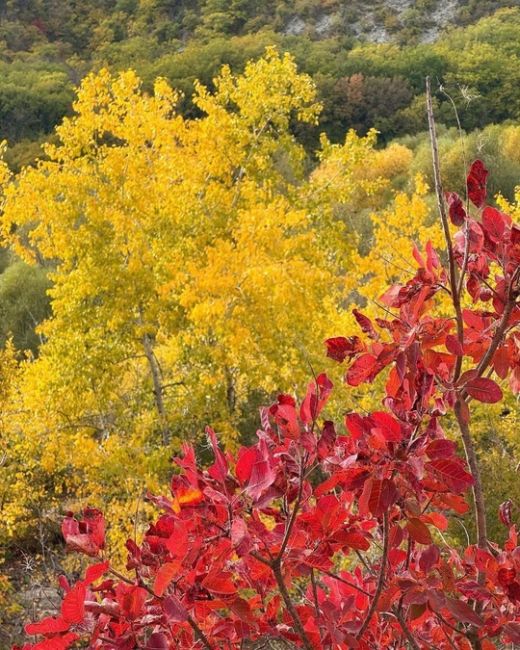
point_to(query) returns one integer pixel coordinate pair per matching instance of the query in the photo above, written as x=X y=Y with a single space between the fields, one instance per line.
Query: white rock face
x=324 y=24
x=400 y=6
x=366 y=24
x=442 y=16
x=295 y=26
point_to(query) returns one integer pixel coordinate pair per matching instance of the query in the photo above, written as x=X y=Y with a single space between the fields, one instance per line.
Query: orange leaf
x=186 y=497
x=165 y=575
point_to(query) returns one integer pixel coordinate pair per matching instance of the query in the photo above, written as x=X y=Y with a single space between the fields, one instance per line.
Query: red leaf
x=488 y=645
x=512 y=630
x=49 y=625
x=484 y=389
x=365 y=368
x=158 y=641
x=365 y=324
x=463 y=612
x=418 y=531
x=340 y=347
x=429 y=558
x=219 y=469
x=284 y=414
x=131 y=599
x=244 y=466
x=494 y=223
x=476 y=183
x=317 y=395
x=94 y=523
x=454 y=502
x=354 y=425
x=455 y=208
x=440 y=448
x=377 y=497
x=165 y=575
x=73 y=605
x=255 y=469
x=355 y=540
x=327 y=440
x=387 y=425
x=56 y=643
x=238 y=531
x=175 y=610
x=453 y=345
x=64 y=583
x=392 y=296
x=185 y=496
x=86 y=535
x=219 y=582
x=437 y=519
x=475 y=236
x=241 y=608
x=451 y=472
x=95 y=571
x=502 y=361
x=395 y=537
x=506 y=576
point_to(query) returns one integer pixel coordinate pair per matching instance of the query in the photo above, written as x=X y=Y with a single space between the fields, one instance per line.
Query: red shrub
x=332 y=536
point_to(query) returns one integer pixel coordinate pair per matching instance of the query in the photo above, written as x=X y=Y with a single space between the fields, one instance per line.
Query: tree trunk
x=155 y=371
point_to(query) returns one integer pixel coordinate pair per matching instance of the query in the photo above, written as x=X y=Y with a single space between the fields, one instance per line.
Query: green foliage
x=46 y=48
x=34 y=96
x=497 y=145
x=24 y=304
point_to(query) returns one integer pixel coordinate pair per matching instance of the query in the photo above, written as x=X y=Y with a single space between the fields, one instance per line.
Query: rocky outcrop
x=378 y=21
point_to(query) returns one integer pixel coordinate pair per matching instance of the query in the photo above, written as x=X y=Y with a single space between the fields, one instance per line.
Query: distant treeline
x=47 y=46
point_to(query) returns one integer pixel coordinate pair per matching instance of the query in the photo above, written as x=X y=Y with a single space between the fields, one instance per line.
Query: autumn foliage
x=335 y=535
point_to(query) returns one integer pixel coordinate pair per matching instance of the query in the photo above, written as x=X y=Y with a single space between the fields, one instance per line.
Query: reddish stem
x=380 y=582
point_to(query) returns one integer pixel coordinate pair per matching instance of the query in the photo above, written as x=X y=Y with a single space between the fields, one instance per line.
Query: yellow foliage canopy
x=196 y=268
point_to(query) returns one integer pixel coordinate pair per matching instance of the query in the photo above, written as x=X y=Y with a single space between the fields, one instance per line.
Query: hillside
x=84 y=27
x=46 y=48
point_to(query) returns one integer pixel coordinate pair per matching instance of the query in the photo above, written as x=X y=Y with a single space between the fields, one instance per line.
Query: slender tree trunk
x=456 y=288
x=230 y=391
x=158 y=389
x=478 y=494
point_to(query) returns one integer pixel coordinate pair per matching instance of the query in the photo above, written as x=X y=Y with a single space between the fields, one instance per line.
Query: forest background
x=134 y=313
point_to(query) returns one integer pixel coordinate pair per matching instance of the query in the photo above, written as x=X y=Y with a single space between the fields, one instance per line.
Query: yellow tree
x=195 y=268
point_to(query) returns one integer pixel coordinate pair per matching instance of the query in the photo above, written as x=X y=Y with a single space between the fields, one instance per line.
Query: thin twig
x=380 y=582
x=456 y=289
x=364 y=562
x=346 y=582
x=316 y=602
x=290 y=607
x=455 y=296
x=199 y=634
x=478 y=494
x=294 y=514
x=405 y=629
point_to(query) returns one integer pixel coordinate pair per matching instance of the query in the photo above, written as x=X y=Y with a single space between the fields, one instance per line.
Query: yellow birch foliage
x=196 y=269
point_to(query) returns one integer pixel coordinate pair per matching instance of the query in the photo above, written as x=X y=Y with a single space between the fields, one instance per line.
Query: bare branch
x=380 y=582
